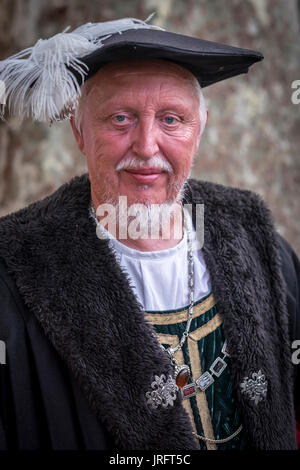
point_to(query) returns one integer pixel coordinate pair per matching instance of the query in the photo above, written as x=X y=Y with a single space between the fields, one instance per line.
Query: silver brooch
x=163 y=393
x=255 y=387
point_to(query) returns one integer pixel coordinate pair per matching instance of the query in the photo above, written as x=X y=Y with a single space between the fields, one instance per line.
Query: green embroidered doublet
x=213 y=412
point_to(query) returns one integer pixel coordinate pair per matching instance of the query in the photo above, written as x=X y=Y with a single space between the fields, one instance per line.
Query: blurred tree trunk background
x=252 y=140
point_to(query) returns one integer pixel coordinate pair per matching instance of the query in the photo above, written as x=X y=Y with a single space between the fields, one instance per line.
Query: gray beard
x=154 y=220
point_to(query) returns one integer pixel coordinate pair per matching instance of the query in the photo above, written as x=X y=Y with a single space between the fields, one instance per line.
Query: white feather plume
x=37 y=81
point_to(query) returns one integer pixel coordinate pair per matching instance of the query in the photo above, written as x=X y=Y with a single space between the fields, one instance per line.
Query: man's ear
x=207 y=115
x=200 y=134
x=77 y=135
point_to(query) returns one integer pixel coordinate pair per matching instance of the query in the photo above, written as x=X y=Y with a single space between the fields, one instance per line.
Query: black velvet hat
x=209 y=61
x=43 y=81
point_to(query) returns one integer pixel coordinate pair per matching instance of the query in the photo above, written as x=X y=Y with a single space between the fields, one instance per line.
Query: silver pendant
x=182 y=370
x=256 y=387
x=163 y=393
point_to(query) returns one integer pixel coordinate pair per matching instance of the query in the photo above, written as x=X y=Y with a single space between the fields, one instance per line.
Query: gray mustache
x=154 y=162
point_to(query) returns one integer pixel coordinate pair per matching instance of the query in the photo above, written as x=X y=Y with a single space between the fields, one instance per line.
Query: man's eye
x=169 y=120
x=120 y=118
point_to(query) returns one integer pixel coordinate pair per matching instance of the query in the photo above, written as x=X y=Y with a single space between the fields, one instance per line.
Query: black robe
x=80 y=356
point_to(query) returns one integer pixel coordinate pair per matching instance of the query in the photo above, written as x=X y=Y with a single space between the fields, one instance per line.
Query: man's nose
x=145 y=139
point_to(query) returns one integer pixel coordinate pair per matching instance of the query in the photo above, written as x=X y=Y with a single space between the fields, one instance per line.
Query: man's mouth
x=145 y=175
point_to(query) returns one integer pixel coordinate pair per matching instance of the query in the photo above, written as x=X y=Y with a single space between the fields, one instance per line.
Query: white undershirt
x=160 y=278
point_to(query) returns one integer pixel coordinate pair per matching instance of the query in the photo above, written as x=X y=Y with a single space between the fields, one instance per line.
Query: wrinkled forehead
x=137 y=71
x=148 y=65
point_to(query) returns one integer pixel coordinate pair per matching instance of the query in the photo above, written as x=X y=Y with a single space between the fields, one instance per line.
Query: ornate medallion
x=256 y=387
x=163 y=393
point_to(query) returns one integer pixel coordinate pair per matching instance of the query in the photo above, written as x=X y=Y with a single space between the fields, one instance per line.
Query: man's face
x=140 y=130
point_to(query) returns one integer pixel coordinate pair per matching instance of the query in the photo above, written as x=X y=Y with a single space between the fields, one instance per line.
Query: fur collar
x=72 y=283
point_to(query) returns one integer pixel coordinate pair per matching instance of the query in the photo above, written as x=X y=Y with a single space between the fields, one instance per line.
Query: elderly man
x=118 y=341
